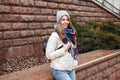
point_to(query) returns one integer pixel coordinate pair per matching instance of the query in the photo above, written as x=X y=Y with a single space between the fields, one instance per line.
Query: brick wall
x=27 y=22
x=106 y=67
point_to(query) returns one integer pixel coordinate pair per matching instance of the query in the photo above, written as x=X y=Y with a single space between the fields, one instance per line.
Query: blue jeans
x=64 y=74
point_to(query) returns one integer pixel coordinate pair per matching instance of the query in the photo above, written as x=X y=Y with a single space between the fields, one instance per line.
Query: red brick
x=3 y=52
x=4 y=2
x=46 y=11
x=92 y=77
x=17 y=42
x=71 y=7
x=46 y=25
x=58 y=1
x=89 y=78
x=113 y=77
x=91 y=4
x=8 y=43
x=33 y=10
x=49 y=31
x=102 y=66
x=26 y=33
x=38 y=48
x=116 y=67
x=99 y=14
x=40 y=3
x=86 y=8
x=16 y=51
x=9 y=53
x=79 y=8
x=26 y=50
x=107 y=72
x=118 y=58
x=84 y=3
x=98 y=76
x=112 y=62
x=27 y=17
x=81 y=75
x=118 y=74
x=29 y=49
x=52 y=5
x=76 y=2
x=41 y=18
x=75 y=13
x=116 y=19
x=19 y=26
x=1 y=44
x=83 y=14
x=4 y=8
x=62 y=6
x=11 y=34
x=92 y=9
x=51 y=18
x=14 y=2
x=89 y=72
x=38 y=32
x=1 y=36
x=34 y=25
x=92 y=19
x=34 y=40
x=95 y=69
x=9 y=17
x=27 y=2
x=67 y=1
x=91 y=14
x=5 y=26
x=15 y=9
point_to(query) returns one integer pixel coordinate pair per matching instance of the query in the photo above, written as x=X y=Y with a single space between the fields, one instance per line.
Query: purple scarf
x=71 y=36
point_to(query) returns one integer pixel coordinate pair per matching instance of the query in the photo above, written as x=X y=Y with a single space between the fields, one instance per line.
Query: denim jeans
x=64 y=74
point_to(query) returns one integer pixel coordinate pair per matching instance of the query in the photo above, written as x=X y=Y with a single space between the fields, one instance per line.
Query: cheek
x=62 y=22
x=68 y=22
x=65 y=22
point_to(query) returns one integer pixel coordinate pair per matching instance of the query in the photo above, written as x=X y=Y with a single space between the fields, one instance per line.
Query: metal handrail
x=109 y=6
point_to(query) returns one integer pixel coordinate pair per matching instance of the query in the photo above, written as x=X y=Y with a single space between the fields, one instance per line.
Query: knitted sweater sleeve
x=51 y=52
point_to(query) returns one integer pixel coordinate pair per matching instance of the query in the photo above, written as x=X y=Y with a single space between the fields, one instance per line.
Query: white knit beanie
x=61 y=13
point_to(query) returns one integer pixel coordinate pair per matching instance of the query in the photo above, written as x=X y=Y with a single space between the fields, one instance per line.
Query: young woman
x=62 y=49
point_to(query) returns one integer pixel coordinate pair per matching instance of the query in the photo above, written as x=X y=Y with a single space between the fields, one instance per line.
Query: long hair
x=59 y=28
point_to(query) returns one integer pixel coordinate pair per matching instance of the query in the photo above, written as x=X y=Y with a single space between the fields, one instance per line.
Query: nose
x=66 y=21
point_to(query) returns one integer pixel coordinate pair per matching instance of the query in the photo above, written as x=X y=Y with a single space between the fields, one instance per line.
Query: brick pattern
x=27 y=22
x=107 y=68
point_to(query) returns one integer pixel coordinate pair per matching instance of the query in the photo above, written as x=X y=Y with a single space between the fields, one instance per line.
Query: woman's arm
x=51 y=52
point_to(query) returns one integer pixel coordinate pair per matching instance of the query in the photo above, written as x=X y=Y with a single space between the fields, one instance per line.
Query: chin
x=65 y=26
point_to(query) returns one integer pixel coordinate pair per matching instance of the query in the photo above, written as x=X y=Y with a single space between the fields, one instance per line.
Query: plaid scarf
x=70 y=36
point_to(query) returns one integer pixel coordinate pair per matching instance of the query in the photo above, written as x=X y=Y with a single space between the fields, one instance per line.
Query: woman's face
x=64 y=21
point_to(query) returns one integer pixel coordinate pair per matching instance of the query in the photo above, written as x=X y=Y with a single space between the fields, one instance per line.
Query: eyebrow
x=65 y=18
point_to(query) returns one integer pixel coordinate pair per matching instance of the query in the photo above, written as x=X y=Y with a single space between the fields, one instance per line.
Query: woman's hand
x=67 y=46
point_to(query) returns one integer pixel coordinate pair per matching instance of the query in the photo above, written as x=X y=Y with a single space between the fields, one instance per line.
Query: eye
x=67 y=19
x=63 y=19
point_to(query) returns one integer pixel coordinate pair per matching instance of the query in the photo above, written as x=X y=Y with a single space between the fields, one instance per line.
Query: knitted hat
x=61 y=13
